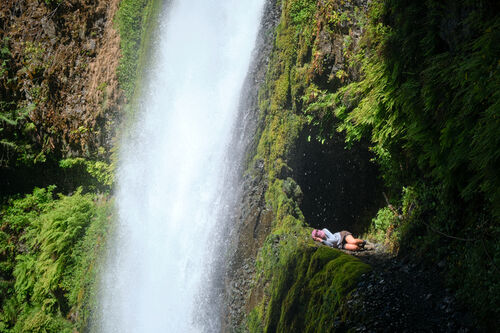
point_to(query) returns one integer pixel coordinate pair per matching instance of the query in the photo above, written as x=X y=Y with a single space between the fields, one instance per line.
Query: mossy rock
x=307 y=292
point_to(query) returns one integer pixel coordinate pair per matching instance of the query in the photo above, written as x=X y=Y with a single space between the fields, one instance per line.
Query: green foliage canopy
x=429 y=99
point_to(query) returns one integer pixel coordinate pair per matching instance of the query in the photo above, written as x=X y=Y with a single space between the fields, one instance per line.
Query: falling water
x=171 y=169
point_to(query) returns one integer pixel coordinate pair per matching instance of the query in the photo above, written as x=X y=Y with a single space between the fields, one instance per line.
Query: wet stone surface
x=400 y=296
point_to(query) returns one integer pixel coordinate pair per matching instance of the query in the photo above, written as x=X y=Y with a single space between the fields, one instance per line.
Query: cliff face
x=59 y=90
x=59 y=98
x=292 y=178
x=407 y=78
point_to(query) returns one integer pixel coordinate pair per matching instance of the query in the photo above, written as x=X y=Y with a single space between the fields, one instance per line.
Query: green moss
x=304 y=286
x=136 y=21
x=302 y=12
x=281 y=92
x=307 y=291
x=254 y=321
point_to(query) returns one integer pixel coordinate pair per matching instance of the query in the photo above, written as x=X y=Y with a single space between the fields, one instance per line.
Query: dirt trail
x=401 y=296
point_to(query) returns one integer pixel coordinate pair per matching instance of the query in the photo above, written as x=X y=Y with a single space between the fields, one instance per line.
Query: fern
x=48 y=263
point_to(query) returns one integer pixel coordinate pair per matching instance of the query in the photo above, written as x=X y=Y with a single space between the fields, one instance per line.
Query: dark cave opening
x=342 y=189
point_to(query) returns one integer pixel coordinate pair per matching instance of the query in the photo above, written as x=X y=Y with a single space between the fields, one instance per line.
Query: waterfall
x=171 y=168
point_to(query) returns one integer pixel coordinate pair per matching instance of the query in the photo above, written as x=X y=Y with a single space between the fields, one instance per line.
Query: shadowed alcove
x=341 y=187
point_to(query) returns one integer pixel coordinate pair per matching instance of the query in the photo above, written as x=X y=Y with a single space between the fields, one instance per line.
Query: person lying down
x=340 y=240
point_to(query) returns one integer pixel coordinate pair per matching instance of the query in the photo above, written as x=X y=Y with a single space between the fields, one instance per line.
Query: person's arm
x=329 y=243
x=317 y=239
x=328 y=233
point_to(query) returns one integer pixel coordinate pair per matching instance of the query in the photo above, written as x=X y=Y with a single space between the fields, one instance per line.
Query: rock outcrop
x=59 y=78
x=270 y=229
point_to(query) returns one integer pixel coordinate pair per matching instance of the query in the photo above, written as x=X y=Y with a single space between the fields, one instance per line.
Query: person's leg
x=351 y=247
x=351 y=240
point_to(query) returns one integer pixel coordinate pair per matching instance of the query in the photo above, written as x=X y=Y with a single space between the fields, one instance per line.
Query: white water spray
x=171 y=171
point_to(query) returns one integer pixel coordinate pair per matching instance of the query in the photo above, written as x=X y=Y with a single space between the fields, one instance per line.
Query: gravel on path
x=401 y=296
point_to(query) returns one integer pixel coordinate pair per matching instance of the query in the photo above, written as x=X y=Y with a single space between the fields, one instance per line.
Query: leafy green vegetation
x=101 y=172
x=427 y=99
x=302 y=12
x=136 y=20
x=49 y=250
x=435 y=229
x=425 y=95
x=422 y=86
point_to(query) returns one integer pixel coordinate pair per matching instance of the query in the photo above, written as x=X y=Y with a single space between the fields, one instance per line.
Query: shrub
x=50 y=257
x=101 y=172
